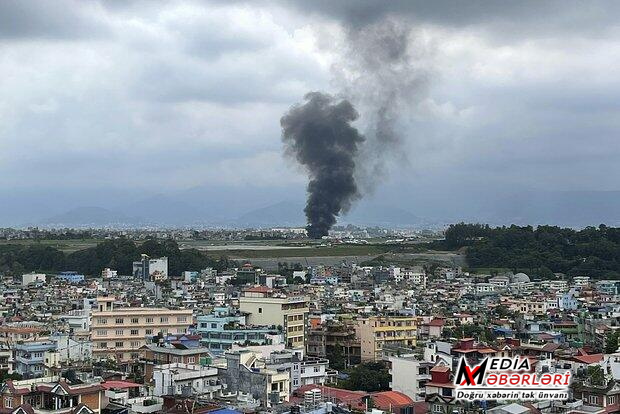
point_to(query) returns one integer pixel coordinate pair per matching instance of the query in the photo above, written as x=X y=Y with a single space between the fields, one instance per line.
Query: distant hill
x=290 y=213
x=88 y=216
x=284 y=213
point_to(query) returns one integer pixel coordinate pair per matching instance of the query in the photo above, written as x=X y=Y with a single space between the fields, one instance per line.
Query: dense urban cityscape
x=382 y=335
x=309 y=207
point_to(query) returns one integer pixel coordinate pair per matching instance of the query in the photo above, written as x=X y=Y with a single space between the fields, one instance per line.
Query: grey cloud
x=51 y=20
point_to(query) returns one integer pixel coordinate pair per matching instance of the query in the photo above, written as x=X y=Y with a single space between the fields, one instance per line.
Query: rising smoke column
x=319 y=135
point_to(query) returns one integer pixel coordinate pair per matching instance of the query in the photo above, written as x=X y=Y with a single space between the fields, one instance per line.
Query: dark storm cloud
x=546 y=16
x=319 y=135
x=50 y=20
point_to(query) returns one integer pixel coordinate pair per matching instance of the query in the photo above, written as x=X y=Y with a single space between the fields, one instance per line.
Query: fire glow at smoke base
x=319 y=135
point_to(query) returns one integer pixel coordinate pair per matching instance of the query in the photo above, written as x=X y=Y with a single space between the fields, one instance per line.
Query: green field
x=67 y=246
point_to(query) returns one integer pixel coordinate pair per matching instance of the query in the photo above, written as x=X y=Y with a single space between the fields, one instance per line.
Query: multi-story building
x=33 y=279
x=153 y=355
x=51 y=395
x=108 y=273
x=246 y=373
x=379 y=332
x=153 y=270
x=186 y=380
x=120 y=332
x=6 y=360
x=303 y=371
x=268 y=307
x=70 y=277
x=221 y=329
x=409 y=375
x=36 y=359
x=324 y=339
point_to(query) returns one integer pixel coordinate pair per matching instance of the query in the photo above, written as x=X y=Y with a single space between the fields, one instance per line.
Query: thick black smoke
x=319 y=134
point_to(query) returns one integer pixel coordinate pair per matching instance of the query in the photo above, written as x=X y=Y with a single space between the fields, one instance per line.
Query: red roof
x=437 y=322
x=119 y=385
x=588 y=359
x=389 y=399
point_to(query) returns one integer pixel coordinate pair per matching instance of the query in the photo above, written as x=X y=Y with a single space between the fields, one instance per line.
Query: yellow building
x=377 y=332
x=120 y=332
x=272 y=308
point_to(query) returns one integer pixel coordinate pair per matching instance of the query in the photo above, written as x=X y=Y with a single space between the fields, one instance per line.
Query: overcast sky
x=132 y=96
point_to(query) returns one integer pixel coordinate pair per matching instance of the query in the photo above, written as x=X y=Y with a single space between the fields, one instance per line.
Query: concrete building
x=108 y=273
x=303 y=370
x=268 y=307
x=152 y=270
x=33 y=278
x=246 y=373
x=153 y=355
x=186 y=380
x=379 y=332
x=71 y=350
x=70 y=277
x=51 y=395
x=409 y=375
x=221 y=329
x=6 y=360
x=36 y=359
x=120 y=333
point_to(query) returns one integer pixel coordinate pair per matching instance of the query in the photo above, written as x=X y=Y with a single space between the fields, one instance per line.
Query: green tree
x=336 y=358
x=611 y=342
x=596 y=375
x=369 y=377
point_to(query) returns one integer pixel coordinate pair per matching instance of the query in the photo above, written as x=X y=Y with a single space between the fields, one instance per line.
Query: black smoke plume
x=319 y=134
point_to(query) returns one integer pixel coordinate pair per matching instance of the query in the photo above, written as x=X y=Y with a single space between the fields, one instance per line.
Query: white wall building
x=32 y=278
x=186 y=380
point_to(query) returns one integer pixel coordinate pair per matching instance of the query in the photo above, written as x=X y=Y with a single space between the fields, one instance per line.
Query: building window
x=8 y=402
x=163 y=319
x=120 y=321
x=135 y=344
x=437 y=408
x=103 y=345
x=102 y=321
x=135 y=356
x=593 y=399
x=149 y=332
x=191 y=360
x=260 y=310
x=134 y=332
x=101 y=332
x=182 y=319
x=134 y=320
x=118 y=344
x=149 y=320
x=120 y=332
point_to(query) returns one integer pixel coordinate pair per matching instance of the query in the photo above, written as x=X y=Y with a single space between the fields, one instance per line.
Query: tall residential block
x=272 y=308
x=379 y=333
x=120 y=332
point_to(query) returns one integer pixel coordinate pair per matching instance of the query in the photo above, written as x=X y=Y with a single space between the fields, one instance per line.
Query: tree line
x=544 y=250
x=118 y=254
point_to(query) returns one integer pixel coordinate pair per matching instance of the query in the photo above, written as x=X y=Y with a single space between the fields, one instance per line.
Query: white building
x=416 y=275
x=304 y=371
x=70 y=350
x=151 y=269
x=186 y=380
x=33 y=278
x=404 y=371
x=108 y=273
